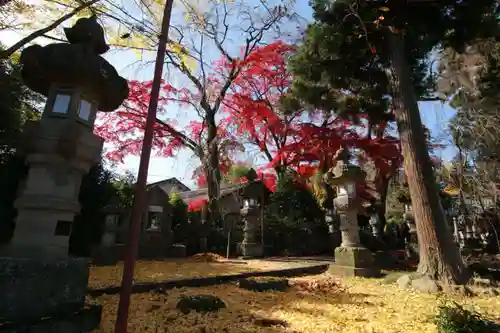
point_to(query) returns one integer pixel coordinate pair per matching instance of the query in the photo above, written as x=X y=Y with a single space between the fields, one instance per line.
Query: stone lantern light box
x=71 y=104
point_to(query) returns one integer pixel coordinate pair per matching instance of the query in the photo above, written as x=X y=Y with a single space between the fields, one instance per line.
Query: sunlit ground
x=317 y=304
x=154 y=271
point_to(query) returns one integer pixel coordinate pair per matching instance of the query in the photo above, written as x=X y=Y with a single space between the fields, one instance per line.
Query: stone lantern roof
x=76 y=64
x=343 y=171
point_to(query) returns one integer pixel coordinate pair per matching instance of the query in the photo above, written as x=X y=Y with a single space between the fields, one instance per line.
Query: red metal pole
x=140 y=190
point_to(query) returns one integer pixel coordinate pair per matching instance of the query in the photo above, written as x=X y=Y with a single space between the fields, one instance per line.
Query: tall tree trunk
x=439 y=255
x=212 y=172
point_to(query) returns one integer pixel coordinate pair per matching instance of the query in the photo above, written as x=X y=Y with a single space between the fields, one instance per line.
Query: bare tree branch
x=39 y=33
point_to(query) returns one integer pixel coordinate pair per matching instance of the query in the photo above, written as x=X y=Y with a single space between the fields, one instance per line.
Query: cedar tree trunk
x=439 y=255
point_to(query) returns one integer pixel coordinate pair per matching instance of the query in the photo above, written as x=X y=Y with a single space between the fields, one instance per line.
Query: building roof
x=202 y=194
x=170 y=185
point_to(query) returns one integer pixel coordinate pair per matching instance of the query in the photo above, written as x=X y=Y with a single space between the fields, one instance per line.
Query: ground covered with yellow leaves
x=156 y=271
x=318 y=304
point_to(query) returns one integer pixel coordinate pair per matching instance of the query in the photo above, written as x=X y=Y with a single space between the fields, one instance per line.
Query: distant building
x=156 y=229
x=170 y=185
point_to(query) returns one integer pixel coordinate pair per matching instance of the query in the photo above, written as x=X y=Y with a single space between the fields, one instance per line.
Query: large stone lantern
x=351 y=258
x=61 y=147
x=37 y=278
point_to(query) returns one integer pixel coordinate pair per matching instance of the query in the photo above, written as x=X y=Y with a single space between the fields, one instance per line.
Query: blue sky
x=434 y=115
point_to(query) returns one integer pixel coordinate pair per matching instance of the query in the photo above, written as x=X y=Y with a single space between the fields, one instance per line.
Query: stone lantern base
x=354 y=261
x=252 y=250
x=44 y=294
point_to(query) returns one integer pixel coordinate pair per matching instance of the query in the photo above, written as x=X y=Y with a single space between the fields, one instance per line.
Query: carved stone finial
x=89 y=32
x=340 y=161
x=251 y=175
x=342 y=170
x=342 y=154
x=76 y=64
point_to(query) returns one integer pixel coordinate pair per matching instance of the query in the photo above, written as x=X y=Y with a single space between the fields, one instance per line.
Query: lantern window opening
x=250 y=202
x=84 y=110
x=112 y=219
x=350 y=188
x=61 y=104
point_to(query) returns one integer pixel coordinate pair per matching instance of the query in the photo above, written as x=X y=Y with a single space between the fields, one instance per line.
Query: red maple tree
x=301 y=141
x=320 y=140
x=124 y=128
x=262 y=70
x=252 y=116
x=253 y=109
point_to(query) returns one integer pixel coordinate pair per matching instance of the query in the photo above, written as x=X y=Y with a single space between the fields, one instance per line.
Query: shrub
x=454 y=318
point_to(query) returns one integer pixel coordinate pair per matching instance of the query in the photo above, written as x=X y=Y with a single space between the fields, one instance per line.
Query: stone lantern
x=375 y=225
x=351 y=258
x=409 y=219
x=37 y=277
x=252 y=245
x=112 y=219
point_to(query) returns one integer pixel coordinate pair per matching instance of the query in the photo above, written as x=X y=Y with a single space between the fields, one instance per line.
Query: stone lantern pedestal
x=41 y=288
x=351 y=257
x=59 y=152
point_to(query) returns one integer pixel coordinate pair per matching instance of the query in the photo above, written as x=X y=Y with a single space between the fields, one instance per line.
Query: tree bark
x=439 y=255
x=212 y=173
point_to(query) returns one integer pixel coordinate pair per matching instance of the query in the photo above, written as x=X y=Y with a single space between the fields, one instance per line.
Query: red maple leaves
x=251 y=117
x=253 y=106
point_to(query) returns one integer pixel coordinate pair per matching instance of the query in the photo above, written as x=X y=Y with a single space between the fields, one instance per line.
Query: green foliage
x=342 y=63
x=474 y=127
x=454 y=318
x=292 y=218
x=124 y=190
x=293 y=202
x=179 y=218
x=12 y=172
x=235 y=173
x=395 y=217
x=96 y=192
x=19 y=104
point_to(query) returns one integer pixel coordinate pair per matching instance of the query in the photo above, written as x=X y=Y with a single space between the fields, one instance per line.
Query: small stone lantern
x=351 y=258
x=375 y=225
x=409 y=219
x=112 y=218
x=252 y=245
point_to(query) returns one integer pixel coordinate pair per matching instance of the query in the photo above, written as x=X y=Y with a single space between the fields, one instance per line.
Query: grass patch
x=320 y=304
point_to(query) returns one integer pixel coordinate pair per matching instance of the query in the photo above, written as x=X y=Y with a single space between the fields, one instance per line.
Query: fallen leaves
x=207 y=257
x=321 y=303
x=151 y=271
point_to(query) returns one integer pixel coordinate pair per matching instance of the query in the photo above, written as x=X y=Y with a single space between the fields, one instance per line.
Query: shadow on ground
x=246 y=312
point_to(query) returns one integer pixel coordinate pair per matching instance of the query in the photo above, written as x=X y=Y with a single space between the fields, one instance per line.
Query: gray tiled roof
x=170 y=185
x=202 y=194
